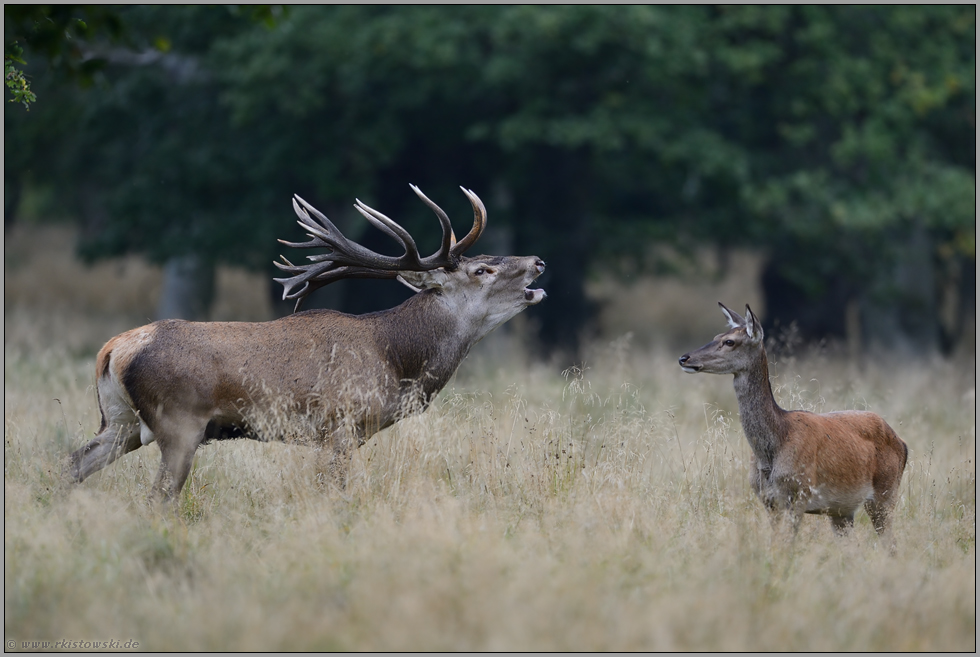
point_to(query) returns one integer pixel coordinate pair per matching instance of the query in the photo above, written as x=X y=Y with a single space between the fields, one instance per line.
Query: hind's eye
x=729 y=343
x=480 y=272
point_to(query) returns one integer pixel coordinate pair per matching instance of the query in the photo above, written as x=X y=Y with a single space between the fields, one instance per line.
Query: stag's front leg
x=842 y=524
x=334 y=455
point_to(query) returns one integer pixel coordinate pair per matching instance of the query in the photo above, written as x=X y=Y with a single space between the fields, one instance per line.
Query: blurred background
x=816 y=162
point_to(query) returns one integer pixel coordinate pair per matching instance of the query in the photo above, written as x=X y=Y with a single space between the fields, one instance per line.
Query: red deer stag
x=803 y=462
x=340 y=378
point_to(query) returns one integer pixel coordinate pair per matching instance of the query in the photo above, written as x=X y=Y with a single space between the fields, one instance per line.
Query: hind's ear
x=753 y=327
x=734 y=319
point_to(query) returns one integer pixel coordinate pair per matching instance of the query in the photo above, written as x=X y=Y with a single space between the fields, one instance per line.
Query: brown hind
x=804 y=462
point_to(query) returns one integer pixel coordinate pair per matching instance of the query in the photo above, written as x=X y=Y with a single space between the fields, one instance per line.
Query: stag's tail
x=119 y=430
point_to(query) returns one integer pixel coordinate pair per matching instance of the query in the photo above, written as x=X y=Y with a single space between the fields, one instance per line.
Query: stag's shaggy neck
x=762 y=419
x=423 y=341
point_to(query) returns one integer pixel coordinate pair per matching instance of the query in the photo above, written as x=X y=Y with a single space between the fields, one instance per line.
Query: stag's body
x=345 y=377
x=802 y=462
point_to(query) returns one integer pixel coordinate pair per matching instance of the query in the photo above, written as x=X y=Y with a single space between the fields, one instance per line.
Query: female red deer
x=338 y=377
x=803 y=462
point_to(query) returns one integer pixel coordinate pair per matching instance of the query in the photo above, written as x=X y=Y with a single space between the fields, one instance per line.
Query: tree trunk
x=188 y=288
x=900 y=310
x=556 y=227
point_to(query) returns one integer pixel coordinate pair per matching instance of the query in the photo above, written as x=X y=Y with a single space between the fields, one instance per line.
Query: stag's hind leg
x=113 y=441
x=178 y=439
x=118 y=435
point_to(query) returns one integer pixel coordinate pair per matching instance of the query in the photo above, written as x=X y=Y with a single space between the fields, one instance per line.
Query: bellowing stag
x=340 y=378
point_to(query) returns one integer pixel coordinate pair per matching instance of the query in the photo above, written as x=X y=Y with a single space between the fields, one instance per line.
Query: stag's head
x=736 y=350
x=483 y=290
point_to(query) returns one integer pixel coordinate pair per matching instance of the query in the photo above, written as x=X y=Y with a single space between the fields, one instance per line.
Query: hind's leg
x=786 y=503
x=880 y=506
x=879 y=510
x=112 y=442
x=886 y=482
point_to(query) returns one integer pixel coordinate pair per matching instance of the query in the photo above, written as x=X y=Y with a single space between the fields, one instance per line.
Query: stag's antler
x=351 y=260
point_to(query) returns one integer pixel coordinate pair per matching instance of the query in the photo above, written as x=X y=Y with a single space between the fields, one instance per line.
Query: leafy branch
x=16 y=82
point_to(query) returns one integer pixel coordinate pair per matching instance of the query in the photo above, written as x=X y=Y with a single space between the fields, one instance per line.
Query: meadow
x=598 y=505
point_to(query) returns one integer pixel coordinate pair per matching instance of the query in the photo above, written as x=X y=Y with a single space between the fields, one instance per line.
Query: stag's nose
x=683 y=359
x=539 y=265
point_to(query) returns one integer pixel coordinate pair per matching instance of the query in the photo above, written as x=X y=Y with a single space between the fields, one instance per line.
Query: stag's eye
x=480 y=272
x=729 y=343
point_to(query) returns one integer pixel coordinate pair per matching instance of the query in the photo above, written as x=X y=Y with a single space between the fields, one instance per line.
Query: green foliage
x=857 y=149
x=18 y=85
x=825 y=134
x=62 y=35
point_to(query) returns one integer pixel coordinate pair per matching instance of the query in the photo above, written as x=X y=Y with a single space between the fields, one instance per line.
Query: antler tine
x=309 y=279
x=348 y=259
x=344 y=259
x=345 y=252
x=325 y=230
x=479 y=224
x=448 y=236
x=392 y=229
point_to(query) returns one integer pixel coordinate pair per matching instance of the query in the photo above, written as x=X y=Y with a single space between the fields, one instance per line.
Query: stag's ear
x=753 y=327
x=401 y=279
x=424 y=280
x=734 y=319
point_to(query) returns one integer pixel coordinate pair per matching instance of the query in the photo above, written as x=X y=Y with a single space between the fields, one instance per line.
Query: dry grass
x=679 y=311
x=606 y=508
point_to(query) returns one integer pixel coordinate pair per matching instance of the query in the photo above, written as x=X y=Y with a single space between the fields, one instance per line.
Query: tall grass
x=604 y=506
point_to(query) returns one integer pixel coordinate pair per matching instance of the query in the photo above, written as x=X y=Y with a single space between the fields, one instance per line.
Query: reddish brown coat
x=802 y=462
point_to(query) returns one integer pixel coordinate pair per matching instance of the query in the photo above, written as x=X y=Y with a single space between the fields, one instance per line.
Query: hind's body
x=830 y=463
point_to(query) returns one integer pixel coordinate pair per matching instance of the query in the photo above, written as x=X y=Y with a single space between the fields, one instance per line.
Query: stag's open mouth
x=534 y=296
x=537 y=295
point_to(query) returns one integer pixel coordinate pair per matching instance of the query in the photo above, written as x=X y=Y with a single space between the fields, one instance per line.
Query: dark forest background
x=841 y=141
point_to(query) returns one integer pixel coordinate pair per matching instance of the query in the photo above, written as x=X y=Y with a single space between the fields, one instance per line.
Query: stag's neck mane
x=762 y=419
x=425 y=341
